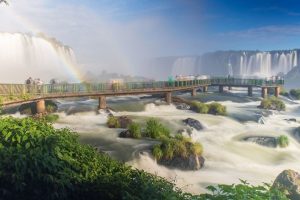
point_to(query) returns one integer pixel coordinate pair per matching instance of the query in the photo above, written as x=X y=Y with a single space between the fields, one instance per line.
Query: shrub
x=199 y=107
x=272 y=103
x=156 y=130
x=40 y=162
x=51 y=118
x=217 y=109
x=213 y=108
x=283 y=141
x=284 y=92
x=178 y=146
x=135 y=130
x=113 y=122
x=243 y=191
x=295 y=93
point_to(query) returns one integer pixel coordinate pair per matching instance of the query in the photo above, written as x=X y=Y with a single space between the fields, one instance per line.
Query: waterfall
x=23 y=55
x=267 y=63
x=185 y=66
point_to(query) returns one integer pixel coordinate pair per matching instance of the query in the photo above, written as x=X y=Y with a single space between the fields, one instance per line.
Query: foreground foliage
x=272 y=103
x=40 y=162
x=243 y=191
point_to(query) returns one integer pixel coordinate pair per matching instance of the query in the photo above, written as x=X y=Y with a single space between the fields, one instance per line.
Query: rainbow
x=71 y=69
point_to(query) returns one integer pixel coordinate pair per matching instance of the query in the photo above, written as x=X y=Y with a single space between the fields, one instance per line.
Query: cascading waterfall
x=185 y=66
x=267 y=63
x=23 y=55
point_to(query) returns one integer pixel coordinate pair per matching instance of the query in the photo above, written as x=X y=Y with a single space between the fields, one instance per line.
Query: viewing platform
x=22 y=93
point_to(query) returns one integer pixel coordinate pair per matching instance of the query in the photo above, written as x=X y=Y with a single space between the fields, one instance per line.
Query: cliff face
x=292 y=79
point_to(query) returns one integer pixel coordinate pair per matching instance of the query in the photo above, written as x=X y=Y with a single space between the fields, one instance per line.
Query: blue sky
x=217 y=24
x=108 y=34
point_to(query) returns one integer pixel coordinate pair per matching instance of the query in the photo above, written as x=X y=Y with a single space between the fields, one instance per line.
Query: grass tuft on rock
x=283 y=141
x=272 y=103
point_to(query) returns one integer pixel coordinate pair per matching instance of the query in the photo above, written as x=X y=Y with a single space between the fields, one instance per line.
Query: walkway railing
x=24 y=91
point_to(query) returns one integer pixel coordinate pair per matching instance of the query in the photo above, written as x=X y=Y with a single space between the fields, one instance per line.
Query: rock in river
x=267 y=141
x=193 y=162
x=193 y=123
x=288 y=182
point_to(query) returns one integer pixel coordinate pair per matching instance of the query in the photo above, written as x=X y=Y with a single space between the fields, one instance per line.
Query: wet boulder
x=291 y=120
x=183 y=106
x=288 y=182
x=193 y=123
x=266 y=141
x=193 y=162
x=125 y=134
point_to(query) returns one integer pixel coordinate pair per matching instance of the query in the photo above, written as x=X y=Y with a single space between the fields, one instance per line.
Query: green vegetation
x=135 y=130
x=1 y=103
x=113 y=122
x=272 y=103
x=284 y=92
x=213 y=108
x=40 y=162
x=156 y=130
x=178 y=146
x=283 y=141
x=51 y=118
x=295 y=93
x=243 y=191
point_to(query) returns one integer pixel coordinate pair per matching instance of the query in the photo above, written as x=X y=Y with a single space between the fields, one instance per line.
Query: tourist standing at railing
x=29 y=84
x=38 y=84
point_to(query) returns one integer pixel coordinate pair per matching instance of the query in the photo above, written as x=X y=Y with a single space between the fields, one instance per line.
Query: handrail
x=31 y=90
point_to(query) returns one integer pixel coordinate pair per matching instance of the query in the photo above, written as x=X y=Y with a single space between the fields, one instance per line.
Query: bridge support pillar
x=205 y=88
x=169 y=97
x=40 y=106
x=264 y=92
x=102 y=102
x=194 y=92
x=250 y=91
x=277 y=91
x=221 y=88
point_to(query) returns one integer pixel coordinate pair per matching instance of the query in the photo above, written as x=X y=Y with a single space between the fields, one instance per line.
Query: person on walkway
x=39 y=84
x=29 y=84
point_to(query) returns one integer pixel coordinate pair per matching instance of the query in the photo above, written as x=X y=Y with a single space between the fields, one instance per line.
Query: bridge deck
x=18 y=93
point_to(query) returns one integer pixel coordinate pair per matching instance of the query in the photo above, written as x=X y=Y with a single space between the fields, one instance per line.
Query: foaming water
x=228 y=159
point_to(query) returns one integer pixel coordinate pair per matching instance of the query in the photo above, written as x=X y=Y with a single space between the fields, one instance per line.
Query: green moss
x=135 y=130
x=283 y=141
x=272 y=103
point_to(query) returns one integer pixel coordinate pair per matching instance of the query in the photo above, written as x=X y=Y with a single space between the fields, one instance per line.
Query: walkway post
x=205 y=88
x=194 y=92
x=277 y=91
x=250 y=91
x=169 y=97
x=40 y=106
x=264 y=92
x=221 y=88
x=102 y=102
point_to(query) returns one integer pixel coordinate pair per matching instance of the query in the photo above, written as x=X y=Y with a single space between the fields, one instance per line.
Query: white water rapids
x=227 y=158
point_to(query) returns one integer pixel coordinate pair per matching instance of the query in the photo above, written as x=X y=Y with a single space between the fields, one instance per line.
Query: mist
x=110 y=38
